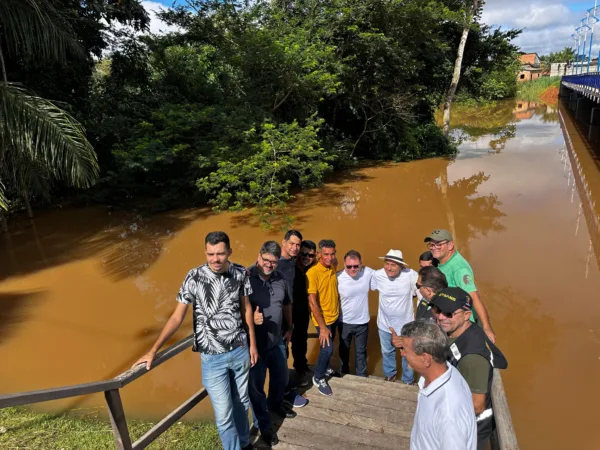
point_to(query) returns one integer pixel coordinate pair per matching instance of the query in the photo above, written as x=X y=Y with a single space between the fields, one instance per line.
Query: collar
x=321 y=267
x=435 y=384
x=450 y=259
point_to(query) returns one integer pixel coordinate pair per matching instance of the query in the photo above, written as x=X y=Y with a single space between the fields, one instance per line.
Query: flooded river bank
x=83 y=293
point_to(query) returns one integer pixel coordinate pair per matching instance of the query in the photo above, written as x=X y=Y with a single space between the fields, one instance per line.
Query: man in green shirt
x=458 y=274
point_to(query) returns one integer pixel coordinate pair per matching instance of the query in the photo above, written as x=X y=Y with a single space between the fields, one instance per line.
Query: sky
x=547 y=24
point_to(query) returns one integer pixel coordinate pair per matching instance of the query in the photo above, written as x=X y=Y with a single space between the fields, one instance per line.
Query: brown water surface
x=84 y=292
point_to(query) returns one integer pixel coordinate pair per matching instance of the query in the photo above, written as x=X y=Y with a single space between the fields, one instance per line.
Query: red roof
x=528 y=58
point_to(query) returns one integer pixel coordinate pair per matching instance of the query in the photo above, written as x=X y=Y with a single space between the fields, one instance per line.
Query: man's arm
x=287 y=316
x=478 y=403
x=324 y=333
x=475 y=369
x=482 y=313
x=454 y=435
x=248 y=320
x=168 y=330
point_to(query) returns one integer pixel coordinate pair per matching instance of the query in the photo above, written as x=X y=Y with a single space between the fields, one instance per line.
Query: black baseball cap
x=452 y=299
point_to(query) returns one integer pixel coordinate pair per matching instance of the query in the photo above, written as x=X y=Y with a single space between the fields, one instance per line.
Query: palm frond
x=35 y=125
x=36 y=28
x=3 y=202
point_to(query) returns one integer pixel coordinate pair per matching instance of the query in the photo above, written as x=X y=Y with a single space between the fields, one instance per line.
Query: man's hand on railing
x=147 y=359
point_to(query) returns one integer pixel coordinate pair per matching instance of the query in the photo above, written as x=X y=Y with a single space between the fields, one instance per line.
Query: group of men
x=244 y=319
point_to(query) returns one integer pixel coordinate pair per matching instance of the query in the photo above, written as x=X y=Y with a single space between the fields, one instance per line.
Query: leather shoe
x=270 y=438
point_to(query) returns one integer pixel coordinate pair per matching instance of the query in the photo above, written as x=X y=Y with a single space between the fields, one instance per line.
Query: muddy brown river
x=84 y=292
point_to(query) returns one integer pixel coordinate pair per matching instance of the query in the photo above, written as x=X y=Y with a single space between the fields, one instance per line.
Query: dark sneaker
x=322 y=387
x=270 y=438
x=249 y=447
x=285 y=413
x=332 y=373
x=392 y=379
x=294 y=400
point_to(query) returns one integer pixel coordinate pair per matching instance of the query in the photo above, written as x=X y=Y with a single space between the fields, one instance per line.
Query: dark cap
x=452 y=299
x=439 y=235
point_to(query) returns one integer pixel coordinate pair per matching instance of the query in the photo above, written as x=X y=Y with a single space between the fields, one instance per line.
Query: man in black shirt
x=431 y=280
x=295 y=276
x=271 y=303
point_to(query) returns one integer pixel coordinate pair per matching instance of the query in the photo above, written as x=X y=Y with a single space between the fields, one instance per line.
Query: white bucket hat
x=394 y=255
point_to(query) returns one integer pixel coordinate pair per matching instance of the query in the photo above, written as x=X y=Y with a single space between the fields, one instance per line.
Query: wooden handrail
x=112 y=395
x=505 y=437
x=121 y=380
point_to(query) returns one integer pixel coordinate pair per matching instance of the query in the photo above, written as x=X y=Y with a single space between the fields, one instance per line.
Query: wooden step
x=396 y=390
x=343 y=436
x=359 y=397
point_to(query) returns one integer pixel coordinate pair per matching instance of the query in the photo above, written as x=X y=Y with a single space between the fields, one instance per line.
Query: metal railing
x=113 y=399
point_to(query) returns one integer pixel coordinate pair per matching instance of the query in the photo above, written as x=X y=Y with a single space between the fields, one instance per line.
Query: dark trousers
x=361 y=335
x=325 y=353
x=274 y=360
x=300 y=338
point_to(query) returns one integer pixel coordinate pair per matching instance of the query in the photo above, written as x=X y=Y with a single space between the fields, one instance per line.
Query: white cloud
x=157 y=26
x=547 y=26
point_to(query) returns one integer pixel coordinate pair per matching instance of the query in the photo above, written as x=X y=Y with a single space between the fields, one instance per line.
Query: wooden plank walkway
x=362 y=413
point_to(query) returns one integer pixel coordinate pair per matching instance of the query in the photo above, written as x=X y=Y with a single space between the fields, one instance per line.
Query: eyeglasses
x=269 y=262
x=419 y=286
x=353 y=267
x=310 y=255
x=436 y=244
x=437 y=311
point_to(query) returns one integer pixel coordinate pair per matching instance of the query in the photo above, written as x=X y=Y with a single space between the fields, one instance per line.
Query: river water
x=84 y=292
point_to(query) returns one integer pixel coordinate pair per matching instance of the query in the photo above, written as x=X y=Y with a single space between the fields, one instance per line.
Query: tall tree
x=34 y=132
x=470 y=13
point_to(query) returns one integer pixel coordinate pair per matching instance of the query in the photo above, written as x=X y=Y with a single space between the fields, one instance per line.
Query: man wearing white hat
x=397 y=285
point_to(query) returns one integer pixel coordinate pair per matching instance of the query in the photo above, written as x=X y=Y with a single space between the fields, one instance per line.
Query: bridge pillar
x=594 y=132
x=573 y=101
x=584 y=110
x=564 y=91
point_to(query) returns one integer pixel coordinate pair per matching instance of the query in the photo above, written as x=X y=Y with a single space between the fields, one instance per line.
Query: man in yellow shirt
x=324 y=302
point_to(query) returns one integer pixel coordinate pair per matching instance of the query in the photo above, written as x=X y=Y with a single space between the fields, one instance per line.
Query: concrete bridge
x=582 y=94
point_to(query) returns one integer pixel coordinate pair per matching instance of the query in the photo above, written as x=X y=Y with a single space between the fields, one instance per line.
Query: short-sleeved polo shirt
x=459 y=274
x=322 y=281
x=395 y=298
x=354 y=296
x=445 y=418
x=270 y=296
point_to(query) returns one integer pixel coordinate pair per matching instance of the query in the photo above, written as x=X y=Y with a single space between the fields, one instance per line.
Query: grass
x=21 y=428
x=531 y=90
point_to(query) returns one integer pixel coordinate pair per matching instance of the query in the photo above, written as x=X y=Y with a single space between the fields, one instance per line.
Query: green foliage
x=531 y=90
x=286 y=155
x=567 y=54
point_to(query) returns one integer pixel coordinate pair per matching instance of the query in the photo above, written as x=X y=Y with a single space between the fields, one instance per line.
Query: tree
x=37 y=138
x=470 y=14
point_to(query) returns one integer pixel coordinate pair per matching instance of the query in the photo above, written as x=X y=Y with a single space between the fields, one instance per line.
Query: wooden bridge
x=362 y=414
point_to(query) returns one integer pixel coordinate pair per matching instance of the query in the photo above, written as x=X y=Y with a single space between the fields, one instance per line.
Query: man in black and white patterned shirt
x=223 y=334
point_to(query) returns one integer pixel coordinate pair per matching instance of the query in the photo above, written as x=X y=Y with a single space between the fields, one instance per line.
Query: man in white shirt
x=397 y=285
x=353 y=286
x=445 y=419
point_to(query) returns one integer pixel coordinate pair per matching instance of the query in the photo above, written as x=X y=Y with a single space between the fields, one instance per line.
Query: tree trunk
x=457 y=67
x=27 y=204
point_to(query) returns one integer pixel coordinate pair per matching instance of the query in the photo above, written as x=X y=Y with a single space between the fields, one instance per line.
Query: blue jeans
x=225 y=377
x=325 y=353
x=388 y=352
x=275 y=361
x=361 y=335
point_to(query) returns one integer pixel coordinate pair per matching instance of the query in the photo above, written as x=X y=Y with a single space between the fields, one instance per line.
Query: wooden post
x=506 y=437
x=117 y=419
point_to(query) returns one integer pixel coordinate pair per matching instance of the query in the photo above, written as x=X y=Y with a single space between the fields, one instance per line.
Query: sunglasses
x=310 y=255
x=419 y=286
x=437 y=311
x=437 y=244
x=353 y=267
